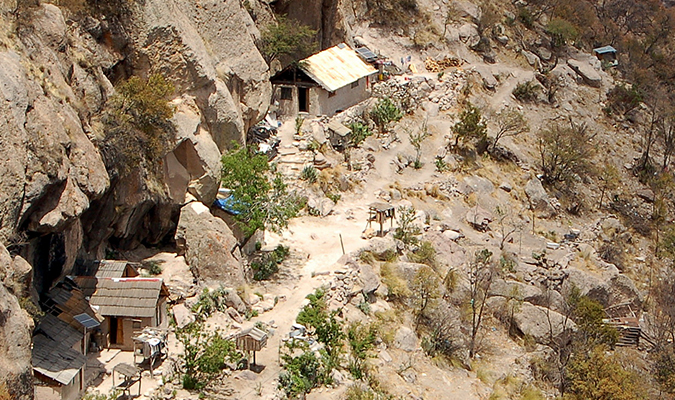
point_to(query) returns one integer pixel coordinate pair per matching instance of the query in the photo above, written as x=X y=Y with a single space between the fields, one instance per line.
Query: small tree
x=385 y=112
x=565 y=151
x=425 y=289
x=510 y=123
x=416 y=140
x=561 y=31
x=138 y=124
x=287 y=38
x=407 y=230
x=204 y=355
x=470 y=126
x=481 y=274
x=504 y=219
x=261 y=202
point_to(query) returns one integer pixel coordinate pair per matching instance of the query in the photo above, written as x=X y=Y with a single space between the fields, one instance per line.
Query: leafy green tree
x=407 y=230
x=470 y=126
x=385 y=112
x=204 y=355
x=325 y=325
x=588 y=314
x=287 y=38
x=261 y=202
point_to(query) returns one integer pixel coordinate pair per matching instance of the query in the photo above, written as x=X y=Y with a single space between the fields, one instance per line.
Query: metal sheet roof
x=56 y=361
x=336 y=67
x=604 y=50
x=128 y=297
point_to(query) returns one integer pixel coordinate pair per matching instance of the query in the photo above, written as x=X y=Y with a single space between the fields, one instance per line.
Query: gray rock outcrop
x=586 y=71
x=540 y=323
x=539 y=200
x=210 y=248
x=16 y=328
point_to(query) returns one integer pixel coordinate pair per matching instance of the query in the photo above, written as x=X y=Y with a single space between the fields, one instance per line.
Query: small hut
x=339 y=135
x=251 y=340
x=380 y=213
x=606 y=54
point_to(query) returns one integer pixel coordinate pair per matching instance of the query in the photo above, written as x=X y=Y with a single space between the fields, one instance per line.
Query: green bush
x=287 y=38
x=262 y=202
x=309 y=174
x=407 y=230
x=470 y=126
x=204 y=356
x=527 y=92
x=360 y=132
x=385 y=112
x=269 y=263
x=561 y=31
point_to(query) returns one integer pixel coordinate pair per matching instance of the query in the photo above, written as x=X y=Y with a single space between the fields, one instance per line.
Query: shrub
x=565 y=151
x=397 y=287
x=526 y=17
x=301 y=373
x=154 y=268
x=527 y=92
x=561 y=31
x=269 y=263
x=424 y=254
x=360 y=132
x=287 y=38
x=204 y=355
x=384 y=112
x=622 y=99
x=209 y=302
x=470 y=126
x=137 y=124
x=407 y=230
x=309 y=174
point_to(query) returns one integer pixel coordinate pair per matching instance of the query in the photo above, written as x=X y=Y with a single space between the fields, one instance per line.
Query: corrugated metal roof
x=604 y=50
x=56 y=361
x=127 y=297
x=336 y=67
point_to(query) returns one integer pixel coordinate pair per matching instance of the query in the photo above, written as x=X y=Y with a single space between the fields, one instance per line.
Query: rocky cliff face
x=58 y=70
x=58 y=67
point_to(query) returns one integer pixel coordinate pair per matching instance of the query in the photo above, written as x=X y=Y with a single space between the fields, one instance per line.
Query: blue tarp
x=228 y=205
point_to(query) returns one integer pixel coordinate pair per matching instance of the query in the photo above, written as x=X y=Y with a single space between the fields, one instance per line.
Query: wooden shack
x=251 y=340
x=380 y=213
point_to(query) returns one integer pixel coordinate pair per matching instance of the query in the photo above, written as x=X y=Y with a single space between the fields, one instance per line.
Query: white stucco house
x=324 y=84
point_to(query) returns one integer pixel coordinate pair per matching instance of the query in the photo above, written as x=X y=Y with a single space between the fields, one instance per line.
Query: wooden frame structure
x=379 y=213
x=251 y=340
x=131 y=375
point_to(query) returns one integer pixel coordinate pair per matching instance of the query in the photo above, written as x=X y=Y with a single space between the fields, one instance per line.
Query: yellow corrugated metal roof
x=336 y=67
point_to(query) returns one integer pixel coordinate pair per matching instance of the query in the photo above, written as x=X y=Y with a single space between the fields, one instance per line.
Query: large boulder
x=586 y=71
x=538 y=198
x=194 y=165
x=541 y=324
x=210 y=248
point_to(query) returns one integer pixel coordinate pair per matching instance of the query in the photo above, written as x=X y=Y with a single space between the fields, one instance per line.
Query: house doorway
x=303 y=99
x=116 y=331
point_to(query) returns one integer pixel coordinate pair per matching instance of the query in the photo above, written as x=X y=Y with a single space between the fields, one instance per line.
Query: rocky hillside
x=77 y=182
